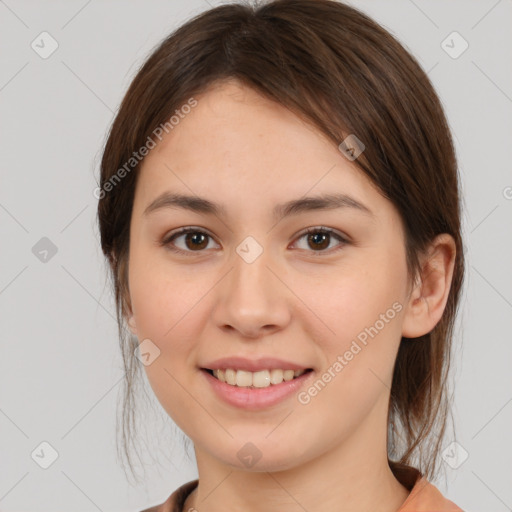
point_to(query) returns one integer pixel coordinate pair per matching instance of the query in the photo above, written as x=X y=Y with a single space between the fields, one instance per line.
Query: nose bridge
x=250 y=278
x=252 y=297
x=251 y=267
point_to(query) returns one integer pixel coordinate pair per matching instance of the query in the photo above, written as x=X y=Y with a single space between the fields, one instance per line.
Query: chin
x=259 y=456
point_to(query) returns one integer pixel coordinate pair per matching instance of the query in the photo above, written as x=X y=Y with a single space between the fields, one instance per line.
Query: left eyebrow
x=321 y=202
x=293 y=207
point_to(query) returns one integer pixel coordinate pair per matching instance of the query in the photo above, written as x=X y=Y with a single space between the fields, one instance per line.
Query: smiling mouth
x=260 y=379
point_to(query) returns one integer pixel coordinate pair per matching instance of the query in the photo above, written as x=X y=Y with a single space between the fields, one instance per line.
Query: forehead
x=231 y=118
x=237 y=145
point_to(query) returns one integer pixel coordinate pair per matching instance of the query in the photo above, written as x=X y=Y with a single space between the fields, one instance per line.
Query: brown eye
x=319 y=239
x=194 y=240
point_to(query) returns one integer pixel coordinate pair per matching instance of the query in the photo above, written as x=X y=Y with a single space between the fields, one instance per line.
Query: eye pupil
x=195 y=237
x=322 y=238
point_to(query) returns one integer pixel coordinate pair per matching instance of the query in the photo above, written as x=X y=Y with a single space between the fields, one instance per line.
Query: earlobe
x=131 y=324
x=430 y=292
x=128 y=312
x=129 y=316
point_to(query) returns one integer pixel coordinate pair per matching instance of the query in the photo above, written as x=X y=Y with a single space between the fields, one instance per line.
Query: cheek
x=359 y=335
x=360 y=309
x=353 y=298
x=165 y=307
x=162 y=298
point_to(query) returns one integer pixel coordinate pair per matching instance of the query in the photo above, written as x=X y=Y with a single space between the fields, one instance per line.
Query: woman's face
x=251 y=284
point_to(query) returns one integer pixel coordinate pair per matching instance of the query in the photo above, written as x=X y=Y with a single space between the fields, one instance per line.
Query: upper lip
x=253 y=365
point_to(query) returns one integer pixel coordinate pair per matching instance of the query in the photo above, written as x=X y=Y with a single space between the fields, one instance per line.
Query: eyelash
x=320 y=229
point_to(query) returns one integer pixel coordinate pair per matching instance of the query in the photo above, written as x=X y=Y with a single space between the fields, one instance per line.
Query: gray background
x=60 y=369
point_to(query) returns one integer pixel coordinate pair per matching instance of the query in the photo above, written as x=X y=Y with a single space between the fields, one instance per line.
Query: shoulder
x=174 y=503
x=426 y=497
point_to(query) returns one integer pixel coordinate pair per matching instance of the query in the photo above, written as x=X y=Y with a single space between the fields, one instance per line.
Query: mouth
x=259 y=379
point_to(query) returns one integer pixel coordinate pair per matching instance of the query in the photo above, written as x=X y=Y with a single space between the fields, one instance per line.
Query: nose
x=252 y=299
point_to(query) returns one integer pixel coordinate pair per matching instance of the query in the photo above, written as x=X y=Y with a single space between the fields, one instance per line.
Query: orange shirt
x=424 y=497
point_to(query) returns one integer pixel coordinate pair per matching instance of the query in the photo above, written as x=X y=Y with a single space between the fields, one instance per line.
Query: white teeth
x=261 y=379
x=230 y=376
x=243 y=378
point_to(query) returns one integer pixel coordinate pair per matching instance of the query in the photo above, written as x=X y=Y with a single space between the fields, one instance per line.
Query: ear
x=129 y=317
x=131 y=324
x=429 y=295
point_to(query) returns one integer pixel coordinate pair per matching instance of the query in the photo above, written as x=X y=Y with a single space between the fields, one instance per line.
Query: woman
x=279 y=207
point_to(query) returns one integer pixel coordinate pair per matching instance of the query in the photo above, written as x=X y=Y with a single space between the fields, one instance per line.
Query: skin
x=294 y=302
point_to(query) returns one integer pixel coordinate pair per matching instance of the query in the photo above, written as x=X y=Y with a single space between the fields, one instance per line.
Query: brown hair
x=333 y=66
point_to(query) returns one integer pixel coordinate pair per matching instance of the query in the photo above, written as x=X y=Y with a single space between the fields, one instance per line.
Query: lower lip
x=256 y=398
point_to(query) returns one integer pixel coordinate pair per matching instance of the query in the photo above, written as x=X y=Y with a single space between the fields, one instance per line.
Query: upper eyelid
x=185 y=230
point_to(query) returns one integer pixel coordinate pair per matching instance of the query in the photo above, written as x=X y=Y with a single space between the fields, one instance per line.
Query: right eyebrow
x=193 y=203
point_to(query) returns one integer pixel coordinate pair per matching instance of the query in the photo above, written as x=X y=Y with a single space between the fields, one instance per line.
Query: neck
x=352 y=476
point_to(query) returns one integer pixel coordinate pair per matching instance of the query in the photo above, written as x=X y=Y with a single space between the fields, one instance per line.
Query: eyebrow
x=304 y=204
